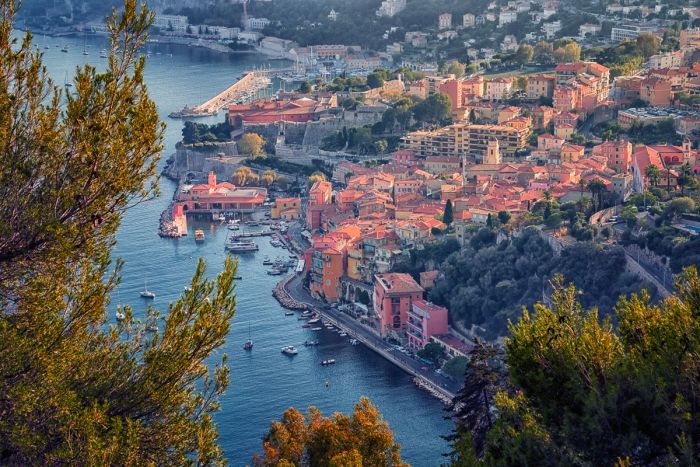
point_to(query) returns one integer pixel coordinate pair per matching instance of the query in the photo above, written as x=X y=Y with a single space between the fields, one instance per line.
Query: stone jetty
x=285 y=300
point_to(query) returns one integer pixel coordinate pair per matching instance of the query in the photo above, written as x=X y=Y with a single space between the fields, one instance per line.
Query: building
x=281 y=110
x=394 y=294
x=666 y=60
x=468 y=20
x=588 y=30
x=333 y=15
x=629 y=32
x=286 y=208
x=172 y=23
x=214 y=197
x=618 y=154
x=506 y=17
x=445 y=21
x=690 y=38
x=442 y=165
x=257 y=24
x=499 y=89
x=656 y=92
x=330 y=51
x=320 y=193
x=539 y=86
x=425 y=320
x=551 y=29
x=571 y=152
x=493 y=153
x=391 y=7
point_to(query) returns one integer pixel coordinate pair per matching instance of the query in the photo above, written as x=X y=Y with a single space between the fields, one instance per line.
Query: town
x=577 y=152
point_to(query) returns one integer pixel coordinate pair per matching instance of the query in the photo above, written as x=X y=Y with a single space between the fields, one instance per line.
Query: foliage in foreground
x=314 y=440
x=75 y=390
x=582 y=392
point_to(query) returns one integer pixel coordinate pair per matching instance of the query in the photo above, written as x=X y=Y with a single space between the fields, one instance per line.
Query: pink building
x=424 y=321
x=394 y=294
x=320 y=193
x=215 y=196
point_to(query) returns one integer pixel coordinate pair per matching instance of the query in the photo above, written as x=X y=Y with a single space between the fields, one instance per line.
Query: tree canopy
x=251 y=145
x=360 y=440
x=581 y=391
x=74 y=389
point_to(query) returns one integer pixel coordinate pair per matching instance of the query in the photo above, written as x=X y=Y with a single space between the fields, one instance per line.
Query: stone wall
x=219 y=157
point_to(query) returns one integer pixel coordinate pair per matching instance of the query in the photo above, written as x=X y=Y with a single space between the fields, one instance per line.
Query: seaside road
x=369 y=337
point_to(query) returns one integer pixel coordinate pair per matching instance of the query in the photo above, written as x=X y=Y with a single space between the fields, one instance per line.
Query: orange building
x=618 y=154
x=656 y=92
x=286 y=208
x=394 y=294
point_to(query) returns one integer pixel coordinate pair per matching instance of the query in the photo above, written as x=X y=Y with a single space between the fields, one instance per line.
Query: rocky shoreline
x=284 y=299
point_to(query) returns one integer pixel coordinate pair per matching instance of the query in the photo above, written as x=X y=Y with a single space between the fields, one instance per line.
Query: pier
x=249 y=84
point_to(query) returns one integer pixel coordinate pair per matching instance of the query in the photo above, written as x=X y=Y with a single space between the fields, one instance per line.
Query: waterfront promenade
x=439 y=386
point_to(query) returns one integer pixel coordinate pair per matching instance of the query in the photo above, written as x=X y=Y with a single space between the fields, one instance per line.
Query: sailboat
x=145 y=293
x=85 y=52
x=249 y=343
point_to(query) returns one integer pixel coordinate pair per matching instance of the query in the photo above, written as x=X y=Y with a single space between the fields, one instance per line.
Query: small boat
x=120 y=316
x=274 y=272
x=234 y=226
x=267 y=261
x=145 y=293
x=237 y=278
x=354 y=341
x=289 y=350
x=199 y=235
x=306 y=325
x=343 y=334
x=310 y=343
x=328 y=362
x=64 y=49
x=314 y=321
x=249 y=343
x=317 y=329
x=252 y=224
x=288 y=313
x=103 y=53
x=306 y=313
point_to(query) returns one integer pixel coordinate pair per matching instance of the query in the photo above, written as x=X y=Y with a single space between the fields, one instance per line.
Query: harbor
x=245 y=89
x=169 y=265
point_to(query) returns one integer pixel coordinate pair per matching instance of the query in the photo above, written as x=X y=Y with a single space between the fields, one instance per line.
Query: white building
x=333 y=15
x=257 y=24
x=172 y=23
x=468 y=20
x=509 y=44
x=551 y=29
x=507 y=16
x=628 y=31
x=391 y=7
x=588 y=29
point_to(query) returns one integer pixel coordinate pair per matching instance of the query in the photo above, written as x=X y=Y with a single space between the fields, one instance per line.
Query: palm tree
x=653 y=174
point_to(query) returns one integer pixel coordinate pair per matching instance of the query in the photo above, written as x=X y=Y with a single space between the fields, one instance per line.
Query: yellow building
x=286 y=208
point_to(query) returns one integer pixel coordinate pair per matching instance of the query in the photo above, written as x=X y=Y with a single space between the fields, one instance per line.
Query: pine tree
x=75 y=390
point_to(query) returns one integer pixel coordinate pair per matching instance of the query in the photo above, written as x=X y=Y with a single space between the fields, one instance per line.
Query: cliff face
x=222 y=158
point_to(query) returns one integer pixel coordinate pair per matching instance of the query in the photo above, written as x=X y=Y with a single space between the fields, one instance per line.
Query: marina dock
x=242 y=90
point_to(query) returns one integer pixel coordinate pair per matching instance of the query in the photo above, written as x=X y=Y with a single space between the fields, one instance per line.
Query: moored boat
x=289 y=350
x=199 y=235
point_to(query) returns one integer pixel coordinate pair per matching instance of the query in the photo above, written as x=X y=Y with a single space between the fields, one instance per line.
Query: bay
x=263 y=382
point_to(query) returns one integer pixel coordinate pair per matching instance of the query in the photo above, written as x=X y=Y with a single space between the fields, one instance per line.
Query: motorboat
x=120 y=316
x=64 y=49
x=289 y=350
x=343 y=334
x=306 y=325
x=267 y=261
x=288 y=313
x=241 y=245
x=199 y=235
x=314 y=320
x=103 y=53
x=274 y=272
x=248 y=345
x=317 y=329
x=310 y=343
x=330 y=361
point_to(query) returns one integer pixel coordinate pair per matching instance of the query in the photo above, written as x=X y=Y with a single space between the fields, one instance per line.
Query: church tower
x=493 y=152
x=688 y=156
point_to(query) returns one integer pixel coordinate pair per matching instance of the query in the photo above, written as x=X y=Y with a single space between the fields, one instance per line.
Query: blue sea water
x=263 y=382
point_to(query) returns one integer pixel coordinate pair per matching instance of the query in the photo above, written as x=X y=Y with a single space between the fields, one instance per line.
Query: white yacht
x=289 y=350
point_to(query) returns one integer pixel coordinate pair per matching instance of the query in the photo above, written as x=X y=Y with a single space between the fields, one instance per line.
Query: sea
x=264 y=382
